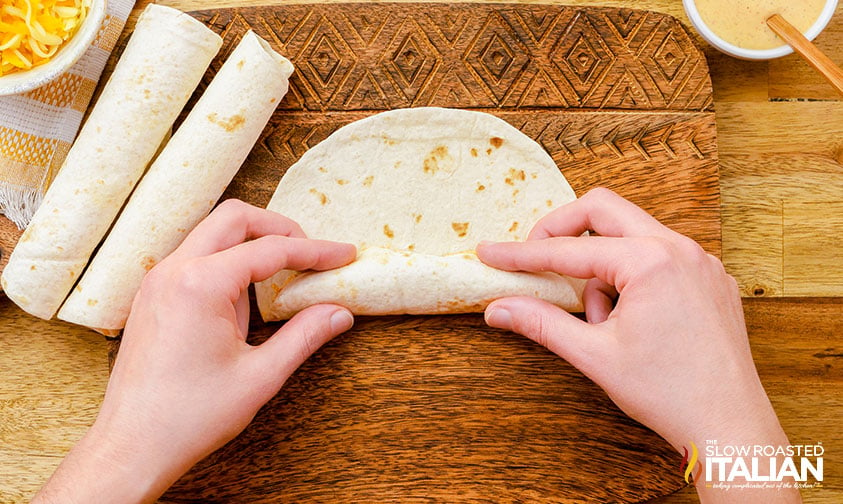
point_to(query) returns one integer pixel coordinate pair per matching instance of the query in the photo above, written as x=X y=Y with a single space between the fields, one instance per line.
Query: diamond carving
x=497 y=56
x=410 y=59
x=325 y=61
x=670 y=57
x=582 y=57
x=582 y=60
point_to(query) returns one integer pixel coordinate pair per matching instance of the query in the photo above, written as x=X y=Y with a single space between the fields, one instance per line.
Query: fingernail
x=499 y=317
x=341 y=320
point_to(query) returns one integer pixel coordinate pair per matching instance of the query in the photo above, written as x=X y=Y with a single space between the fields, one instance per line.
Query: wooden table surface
x=780 y=142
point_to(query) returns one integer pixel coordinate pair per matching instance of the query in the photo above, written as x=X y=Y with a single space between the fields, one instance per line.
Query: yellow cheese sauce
x=744 y=22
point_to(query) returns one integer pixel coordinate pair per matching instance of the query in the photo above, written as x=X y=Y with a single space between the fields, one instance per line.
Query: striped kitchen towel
x=38 y=127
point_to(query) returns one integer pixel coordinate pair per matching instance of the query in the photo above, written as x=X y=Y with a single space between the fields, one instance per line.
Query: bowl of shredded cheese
x=41 y=39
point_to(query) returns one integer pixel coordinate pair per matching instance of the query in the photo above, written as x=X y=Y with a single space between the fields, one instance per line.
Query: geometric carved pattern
x=492 y=56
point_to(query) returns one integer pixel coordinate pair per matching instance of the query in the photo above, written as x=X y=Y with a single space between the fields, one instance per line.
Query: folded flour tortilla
x=184 y=182
x=159 y=69
x=416 y=190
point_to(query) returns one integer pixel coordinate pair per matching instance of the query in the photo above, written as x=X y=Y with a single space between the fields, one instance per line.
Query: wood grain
x=53 y=376
x=412 y=410
x=766 y=187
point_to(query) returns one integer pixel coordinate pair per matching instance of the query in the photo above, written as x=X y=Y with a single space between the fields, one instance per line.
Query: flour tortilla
x=159 y=69
x=416 y=190
x=183 y=184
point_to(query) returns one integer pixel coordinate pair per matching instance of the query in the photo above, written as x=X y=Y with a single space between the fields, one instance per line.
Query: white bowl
x=65 y=57
x=755 y=54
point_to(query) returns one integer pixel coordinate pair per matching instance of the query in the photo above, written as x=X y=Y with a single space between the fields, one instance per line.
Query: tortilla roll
x=159 y=69
x=183 y=184
x=389 y=282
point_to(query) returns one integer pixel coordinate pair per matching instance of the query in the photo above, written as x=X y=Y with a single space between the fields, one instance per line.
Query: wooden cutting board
x=443 y=408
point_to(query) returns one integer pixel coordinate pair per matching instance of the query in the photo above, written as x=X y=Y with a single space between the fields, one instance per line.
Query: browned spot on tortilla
x=342 y=181
x=323 y=198
x=434 y=158
x=481 y=187
x=513 y=227
x=240 y=63
x=92 y=302
x=515 y=192
x=411 y=247
x=461 y=228
x=488 y=152
x=515 y=175
x=496 y=142
x=32 y=267
x=534 y=175
x=181 y=230
x=368 y=180
x=78 y=288
x=322 y=169
x=397 y=164
x=148 y=262
x=473 y=152
x=418 y=218
x=387 y=140
x=228 y=124
x=388 y=231
x=549 y=203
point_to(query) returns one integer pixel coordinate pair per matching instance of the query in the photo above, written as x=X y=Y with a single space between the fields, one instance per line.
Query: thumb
x=576 y=341
x=300 y=337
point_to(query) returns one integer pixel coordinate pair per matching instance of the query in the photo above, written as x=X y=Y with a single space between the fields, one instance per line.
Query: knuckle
x=231 y=211
x=187 y=279
x=599 y=194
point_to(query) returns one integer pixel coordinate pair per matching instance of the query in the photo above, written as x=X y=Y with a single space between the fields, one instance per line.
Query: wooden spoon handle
x=807 y=50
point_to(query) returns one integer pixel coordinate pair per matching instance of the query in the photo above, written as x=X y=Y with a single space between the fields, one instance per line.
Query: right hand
x=665 y=336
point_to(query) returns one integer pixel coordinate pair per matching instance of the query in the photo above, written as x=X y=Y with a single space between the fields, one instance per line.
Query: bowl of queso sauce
x=739 y=27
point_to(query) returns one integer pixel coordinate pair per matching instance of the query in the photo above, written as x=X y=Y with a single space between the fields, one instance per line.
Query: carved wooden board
x=442 y=408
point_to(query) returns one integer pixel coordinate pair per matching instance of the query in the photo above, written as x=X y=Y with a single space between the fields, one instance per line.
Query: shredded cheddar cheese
x=31 y=31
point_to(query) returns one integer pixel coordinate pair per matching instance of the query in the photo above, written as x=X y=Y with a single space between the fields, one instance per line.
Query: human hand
x=185 y=381
x=665 y=336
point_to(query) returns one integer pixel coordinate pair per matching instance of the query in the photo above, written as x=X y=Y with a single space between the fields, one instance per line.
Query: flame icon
x=688 y=465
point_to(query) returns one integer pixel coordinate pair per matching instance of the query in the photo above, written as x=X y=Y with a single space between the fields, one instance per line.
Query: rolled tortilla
x=414 y=189
x=389 y=282
x=183 y=183
x=159 y=69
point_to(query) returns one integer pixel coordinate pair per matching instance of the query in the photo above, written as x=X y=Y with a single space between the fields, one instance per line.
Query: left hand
x=185 y=381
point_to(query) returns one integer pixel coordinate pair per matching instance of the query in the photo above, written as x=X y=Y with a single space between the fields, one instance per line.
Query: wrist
x=106 y=467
